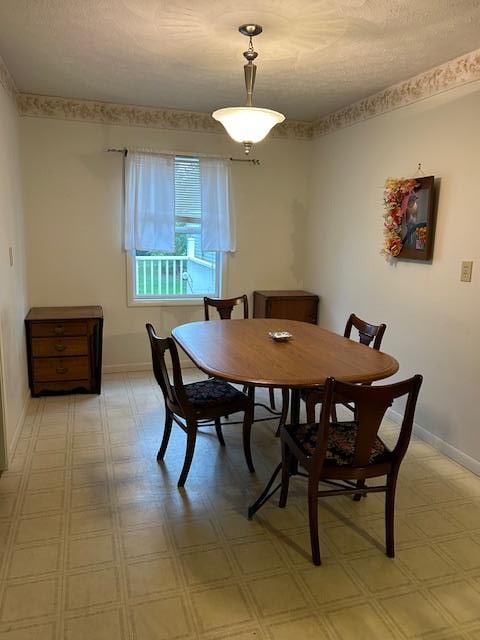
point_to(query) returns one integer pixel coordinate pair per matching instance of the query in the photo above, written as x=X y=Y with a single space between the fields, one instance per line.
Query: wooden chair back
x=371 y=403
x=173 y=394
x=366 y=331
x=225 y=306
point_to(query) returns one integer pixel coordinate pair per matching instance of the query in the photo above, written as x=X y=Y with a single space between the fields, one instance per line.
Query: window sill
x=165 y=302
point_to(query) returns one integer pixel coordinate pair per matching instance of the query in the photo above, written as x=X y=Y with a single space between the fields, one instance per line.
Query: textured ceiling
x=315 y=56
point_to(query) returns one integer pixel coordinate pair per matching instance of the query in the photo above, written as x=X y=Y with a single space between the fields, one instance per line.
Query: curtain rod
x=201 y=155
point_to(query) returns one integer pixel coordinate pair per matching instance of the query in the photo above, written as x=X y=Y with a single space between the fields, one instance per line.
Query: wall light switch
x=466 y=272
x=10 y=255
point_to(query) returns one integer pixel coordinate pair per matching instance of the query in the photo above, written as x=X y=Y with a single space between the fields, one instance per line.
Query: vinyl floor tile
x=34 y=561
x=40 y=528
x=330 y=584
x=28 y=600
x=257 y=556
x=460 y=599
x=91 y=551
x=98 y=626
x=277 y=594
x=361 y=622
x=96 y=587
x=206 y=566
x=425 y=563
x=220 y=607
x=161 y=620
x=140 y=542
x=147 y=577
x=414 y=614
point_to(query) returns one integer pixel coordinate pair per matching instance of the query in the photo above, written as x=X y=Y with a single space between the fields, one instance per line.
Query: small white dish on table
x=280 y=336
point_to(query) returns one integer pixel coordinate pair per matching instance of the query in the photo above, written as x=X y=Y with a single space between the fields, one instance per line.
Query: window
x=188 y=271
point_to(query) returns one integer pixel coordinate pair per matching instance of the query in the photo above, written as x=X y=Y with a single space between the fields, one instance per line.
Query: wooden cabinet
x=64 y=349
x=288 y=305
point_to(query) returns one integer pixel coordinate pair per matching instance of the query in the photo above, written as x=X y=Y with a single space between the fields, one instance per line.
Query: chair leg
x=218 y=429
x=247 y=430
x=390 y=515
x=167 y=430
x=284 y=414
x=333 y=413
x=358 y=496
x=271 y=394
x=313 y=520
x=191 y=439
x=310 y=412
x=355 y=412
x=286 y=456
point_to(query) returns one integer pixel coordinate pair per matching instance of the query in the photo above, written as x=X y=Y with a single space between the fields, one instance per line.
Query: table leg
x=294 y=419
x=295 y=406
x=267 y=493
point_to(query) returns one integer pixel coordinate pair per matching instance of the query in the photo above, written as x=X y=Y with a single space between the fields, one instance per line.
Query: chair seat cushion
x=211 y=392
x=341 y=443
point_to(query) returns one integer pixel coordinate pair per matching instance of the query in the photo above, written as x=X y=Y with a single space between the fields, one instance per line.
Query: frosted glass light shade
x=248 y=124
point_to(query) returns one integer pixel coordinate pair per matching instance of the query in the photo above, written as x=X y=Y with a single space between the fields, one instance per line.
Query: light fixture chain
x=250 y=70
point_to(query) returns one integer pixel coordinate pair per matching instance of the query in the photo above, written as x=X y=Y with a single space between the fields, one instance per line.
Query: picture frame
x=418 y=224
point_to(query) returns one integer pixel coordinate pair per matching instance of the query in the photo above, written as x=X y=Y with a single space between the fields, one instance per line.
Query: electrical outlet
x=466 y=272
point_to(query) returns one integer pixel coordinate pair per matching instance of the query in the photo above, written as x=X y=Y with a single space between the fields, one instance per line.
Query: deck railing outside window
x=173 y=275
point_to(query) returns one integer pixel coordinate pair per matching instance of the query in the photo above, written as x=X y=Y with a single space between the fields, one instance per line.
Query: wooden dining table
x=242 y=351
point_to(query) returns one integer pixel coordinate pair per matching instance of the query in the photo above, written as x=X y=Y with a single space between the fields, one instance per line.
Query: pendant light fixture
x=248 y=124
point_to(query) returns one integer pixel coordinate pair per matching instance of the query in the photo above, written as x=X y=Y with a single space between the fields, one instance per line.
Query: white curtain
x=218 y=232
x=149 y=202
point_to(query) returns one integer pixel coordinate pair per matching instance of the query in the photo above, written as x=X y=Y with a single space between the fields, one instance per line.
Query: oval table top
x=242 y=351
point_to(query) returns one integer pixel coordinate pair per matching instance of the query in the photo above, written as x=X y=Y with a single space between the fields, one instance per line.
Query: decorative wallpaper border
x=455 y=73
x=452 y=74
x=122 y=114
x=7 y=81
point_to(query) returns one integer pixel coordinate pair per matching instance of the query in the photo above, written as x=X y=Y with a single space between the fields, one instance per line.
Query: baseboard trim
x=18 y=429
x=444 y=447
x=132 y=367
x=127 y=368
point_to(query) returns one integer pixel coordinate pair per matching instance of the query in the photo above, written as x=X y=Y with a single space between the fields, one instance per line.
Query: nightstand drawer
x=54 y=369
x=46 y=329
x=47 y=347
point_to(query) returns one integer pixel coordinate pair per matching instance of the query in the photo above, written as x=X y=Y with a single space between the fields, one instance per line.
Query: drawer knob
x=62 y=369
x=59 y=330
x=60 y=347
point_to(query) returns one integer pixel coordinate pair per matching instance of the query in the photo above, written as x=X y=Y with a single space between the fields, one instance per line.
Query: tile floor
x=98 y=543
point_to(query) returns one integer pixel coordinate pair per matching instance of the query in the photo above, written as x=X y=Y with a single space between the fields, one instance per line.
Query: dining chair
x=195 y=404
x=225 y=307
x=345 y=454
x=366 y=334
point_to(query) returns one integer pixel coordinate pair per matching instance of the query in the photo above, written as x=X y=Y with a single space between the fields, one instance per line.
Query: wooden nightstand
x=64 y=349
x=287 y=305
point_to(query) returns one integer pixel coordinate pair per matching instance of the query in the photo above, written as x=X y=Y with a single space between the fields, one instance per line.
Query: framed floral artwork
x=409 y=218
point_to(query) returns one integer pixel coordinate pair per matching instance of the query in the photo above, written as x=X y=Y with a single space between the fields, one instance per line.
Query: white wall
x=73 y=204
x=13 y=304
x=432 y=318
